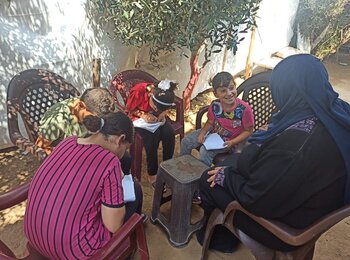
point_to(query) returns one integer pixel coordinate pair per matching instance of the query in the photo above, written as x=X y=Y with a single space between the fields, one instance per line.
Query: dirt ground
x=16 y=168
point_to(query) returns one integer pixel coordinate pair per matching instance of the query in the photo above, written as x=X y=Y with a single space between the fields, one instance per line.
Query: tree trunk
x=195 y=72
x=248 y=66
x=96 y=72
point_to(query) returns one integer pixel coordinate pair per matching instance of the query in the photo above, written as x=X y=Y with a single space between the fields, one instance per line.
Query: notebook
x=128 y=188
x=213 y=142
x=152 y=127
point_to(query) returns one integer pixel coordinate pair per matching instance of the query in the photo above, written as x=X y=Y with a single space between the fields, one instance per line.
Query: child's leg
x=167 y=136
x=190 y=142
x=151 y=143
x=207 y=156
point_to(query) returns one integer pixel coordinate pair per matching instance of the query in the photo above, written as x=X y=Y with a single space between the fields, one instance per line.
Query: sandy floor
x=335 y=244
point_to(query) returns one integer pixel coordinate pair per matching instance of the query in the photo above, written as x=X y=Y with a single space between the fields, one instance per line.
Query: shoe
x=196 y=198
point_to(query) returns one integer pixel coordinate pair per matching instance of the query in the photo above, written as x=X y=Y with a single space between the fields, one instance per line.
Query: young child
x=151 y=102
x=228 y=116
x=65 y=119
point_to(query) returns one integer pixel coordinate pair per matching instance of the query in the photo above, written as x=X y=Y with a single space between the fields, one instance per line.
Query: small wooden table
x=182 y=175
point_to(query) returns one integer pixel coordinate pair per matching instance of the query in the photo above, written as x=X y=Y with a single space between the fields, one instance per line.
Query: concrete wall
x=64 y=36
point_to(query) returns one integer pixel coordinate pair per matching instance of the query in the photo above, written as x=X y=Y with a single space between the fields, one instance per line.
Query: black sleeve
x=267 y=184
x=282 y=174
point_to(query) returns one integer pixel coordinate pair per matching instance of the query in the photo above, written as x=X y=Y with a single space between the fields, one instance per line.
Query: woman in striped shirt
x=75 y=201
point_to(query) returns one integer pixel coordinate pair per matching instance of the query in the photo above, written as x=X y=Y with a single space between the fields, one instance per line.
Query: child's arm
x=204 y=130
x=240 y=138
x=162 y=116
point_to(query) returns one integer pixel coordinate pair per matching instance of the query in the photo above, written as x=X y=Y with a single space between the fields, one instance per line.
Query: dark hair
x=98 y=101
x=114 y=123
x=221 y=79
x=167 y=96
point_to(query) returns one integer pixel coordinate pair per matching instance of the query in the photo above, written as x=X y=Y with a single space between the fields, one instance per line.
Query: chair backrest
x=29 y=94
x=124 y=81
x=256 y=91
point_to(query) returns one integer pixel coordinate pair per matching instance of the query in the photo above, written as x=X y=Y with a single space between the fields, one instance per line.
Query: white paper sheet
x=128 y=188
x=152 y=127
x=213 y=142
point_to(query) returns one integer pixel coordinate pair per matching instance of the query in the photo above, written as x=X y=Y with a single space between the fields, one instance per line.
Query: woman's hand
x=214 y=175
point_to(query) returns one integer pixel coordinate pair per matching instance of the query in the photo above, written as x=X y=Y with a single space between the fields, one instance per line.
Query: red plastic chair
x=119 y=87
x=128 y=239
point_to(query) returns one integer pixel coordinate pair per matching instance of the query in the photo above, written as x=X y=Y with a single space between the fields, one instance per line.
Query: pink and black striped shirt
x=63 y=215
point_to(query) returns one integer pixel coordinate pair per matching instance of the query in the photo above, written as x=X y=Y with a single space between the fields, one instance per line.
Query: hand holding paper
x=128 y=188
x=214 y=142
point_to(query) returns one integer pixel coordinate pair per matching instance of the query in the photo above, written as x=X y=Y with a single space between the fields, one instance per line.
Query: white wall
x=63 y=36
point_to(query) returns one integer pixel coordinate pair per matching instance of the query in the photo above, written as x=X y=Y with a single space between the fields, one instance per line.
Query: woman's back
x=63 y=219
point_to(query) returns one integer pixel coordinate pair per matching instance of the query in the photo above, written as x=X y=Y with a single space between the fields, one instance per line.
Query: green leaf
x=138 y=5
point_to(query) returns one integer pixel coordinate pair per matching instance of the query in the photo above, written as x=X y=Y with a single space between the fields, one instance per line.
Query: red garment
x=138 y=99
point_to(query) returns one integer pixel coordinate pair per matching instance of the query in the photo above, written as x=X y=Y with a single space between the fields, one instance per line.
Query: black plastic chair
x=29 y=94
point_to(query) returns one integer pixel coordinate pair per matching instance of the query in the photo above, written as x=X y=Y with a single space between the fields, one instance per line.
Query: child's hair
x=113 y=123
x=98 y=101
x=221 y=79
x=164 y=99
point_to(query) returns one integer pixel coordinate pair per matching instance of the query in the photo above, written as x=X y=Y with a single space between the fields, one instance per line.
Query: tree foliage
x=165 y=25
x=323 y=22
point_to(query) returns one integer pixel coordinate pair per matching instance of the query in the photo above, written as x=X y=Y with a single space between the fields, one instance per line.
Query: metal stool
x=181 y=174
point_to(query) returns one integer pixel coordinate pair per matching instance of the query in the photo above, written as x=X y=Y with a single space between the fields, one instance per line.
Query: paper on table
x=152 y=127
x=128 y=188
x=213 y=142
